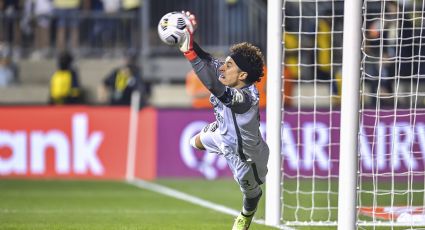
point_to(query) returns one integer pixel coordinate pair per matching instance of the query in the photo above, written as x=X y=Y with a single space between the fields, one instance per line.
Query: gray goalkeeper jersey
x=236 y=112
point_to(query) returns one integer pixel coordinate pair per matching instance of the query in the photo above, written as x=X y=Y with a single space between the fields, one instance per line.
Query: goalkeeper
x=235 y=134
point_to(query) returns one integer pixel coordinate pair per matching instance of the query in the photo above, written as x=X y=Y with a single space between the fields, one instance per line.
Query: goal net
x=310 y=132
x=392 y=115
x=391 y=125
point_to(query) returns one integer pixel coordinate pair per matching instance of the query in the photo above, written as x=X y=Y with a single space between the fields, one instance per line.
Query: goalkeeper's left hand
x=187 y=45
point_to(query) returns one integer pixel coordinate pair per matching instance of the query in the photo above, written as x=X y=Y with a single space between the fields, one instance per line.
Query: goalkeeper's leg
x=251 y=196
x=243 y=221
x=208 y=139
x=249 y=180
x=250 y=204
x=196 y=143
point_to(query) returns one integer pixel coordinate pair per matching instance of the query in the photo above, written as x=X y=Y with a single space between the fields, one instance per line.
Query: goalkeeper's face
x=231 y=75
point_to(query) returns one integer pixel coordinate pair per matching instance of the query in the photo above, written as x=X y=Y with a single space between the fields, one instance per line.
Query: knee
x=196 y=143
x=253 y=192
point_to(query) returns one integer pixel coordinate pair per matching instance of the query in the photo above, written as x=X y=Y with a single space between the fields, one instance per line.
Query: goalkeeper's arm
x=201 y=53
x=201 y=60
x=207 y=74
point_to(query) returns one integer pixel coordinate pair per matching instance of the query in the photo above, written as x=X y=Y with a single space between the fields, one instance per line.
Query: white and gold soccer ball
x=172 y=26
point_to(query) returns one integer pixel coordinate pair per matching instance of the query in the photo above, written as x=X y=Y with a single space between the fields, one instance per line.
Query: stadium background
x=65 y=167
x=38 y=141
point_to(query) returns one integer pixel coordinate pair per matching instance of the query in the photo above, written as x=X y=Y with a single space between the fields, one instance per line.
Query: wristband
x=190 y=55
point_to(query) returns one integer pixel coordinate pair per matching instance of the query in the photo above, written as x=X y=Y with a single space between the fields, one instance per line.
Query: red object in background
x=395 y=213
x=69 y=142
x=146 y=156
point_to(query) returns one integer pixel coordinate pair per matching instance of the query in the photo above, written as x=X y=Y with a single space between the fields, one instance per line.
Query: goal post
x=273 y=112
x=349 y=115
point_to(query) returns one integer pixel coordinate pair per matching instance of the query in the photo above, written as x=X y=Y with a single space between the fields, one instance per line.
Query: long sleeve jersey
x=236 y=110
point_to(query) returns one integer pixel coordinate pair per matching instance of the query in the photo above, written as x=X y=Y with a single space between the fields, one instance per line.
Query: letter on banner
x=17 y=162
x=315 y=141
x=85 y=146
x=289 y=147
x=39 y=143
x=401 y=147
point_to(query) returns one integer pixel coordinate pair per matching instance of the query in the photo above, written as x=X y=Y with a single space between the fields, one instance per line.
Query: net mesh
x=391 y=135
x=310 y=133
x=391 y=138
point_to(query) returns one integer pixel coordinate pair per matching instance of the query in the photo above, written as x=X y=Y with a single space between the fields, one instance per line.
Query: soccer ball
x=172 y=26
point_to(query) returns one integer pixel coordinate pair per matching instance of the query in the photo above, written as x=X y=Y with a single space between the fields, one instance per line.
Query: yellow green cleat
x=242 y=222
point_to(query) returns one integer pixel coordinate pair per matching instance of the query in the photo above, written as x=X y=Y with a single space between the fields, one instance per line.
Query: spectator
x=377 y=72
x=291 y=69
x=103 y=31
x=196 y=90
x=8 y=70
x=9 y=27
x=336 y=87
x=66 y=13
x=237 y=12
x=389 y=55
x=122 y=81
x=398 y=37
x=41 y=11
x=287 y=88
x=96 y=25
x=324 y=44
x=132 y=24
x=64 y=84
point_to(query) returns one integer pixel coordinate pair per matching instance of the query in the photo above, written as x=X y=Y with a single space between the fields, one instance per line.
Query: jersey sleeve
x=239 y=100
x=207 y=69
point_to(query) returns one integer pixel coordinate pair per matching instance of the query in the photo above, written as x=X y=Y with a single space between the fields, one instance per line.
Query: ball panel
x=171 y=28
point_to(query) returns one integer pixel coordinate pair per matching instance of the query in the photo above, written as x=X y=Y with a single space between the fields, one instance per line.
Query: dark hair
x=65 y=60
x=254 y=59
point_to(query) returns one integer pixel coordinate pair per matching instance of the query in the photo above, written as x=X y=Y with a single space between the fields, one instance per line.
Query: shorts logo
x=206 y=128
x=214 y=127
x=244 y=183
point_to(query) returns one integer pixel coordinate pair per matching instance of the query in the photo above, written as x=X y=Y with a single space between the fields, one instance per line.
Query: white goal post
x=274 y=113
x=349 y=116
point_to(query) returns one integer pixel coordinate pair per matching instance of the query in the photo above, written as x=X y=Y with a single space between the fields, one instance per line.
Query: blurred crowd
x=70 y=30
x=49 y=29
x=42 y=28
x=393 y=50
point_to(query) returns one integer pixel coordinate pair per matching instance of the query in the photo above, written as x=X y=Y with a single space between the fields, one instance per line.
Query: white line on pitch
x=191 y=199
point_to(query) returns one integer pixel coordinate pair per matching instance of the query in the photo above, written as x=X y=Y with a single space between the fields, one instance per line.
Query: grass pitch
x=52 y=204
x=28 y=204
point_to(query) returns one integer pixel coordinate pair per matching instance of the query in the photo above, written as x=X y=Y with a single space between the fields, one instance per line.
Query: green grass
x=45 y=204
x=113 y=205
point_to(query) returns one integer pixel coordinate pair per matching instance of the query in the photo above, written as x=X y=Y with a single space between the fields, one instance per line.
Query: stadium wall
x=84 y=142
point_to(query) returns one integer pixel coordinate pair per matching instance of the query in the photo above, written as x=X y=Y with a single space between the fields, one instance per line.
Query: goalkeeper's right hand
x=187 y=45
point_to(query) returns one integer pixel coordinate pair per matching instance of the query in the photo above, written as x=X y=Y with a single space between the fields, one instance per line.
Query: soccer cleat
x=242 y=222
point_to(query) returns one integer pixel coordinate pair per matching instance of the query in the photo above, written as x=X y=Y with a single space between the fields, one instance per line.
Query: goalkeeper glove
x=187 y=45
